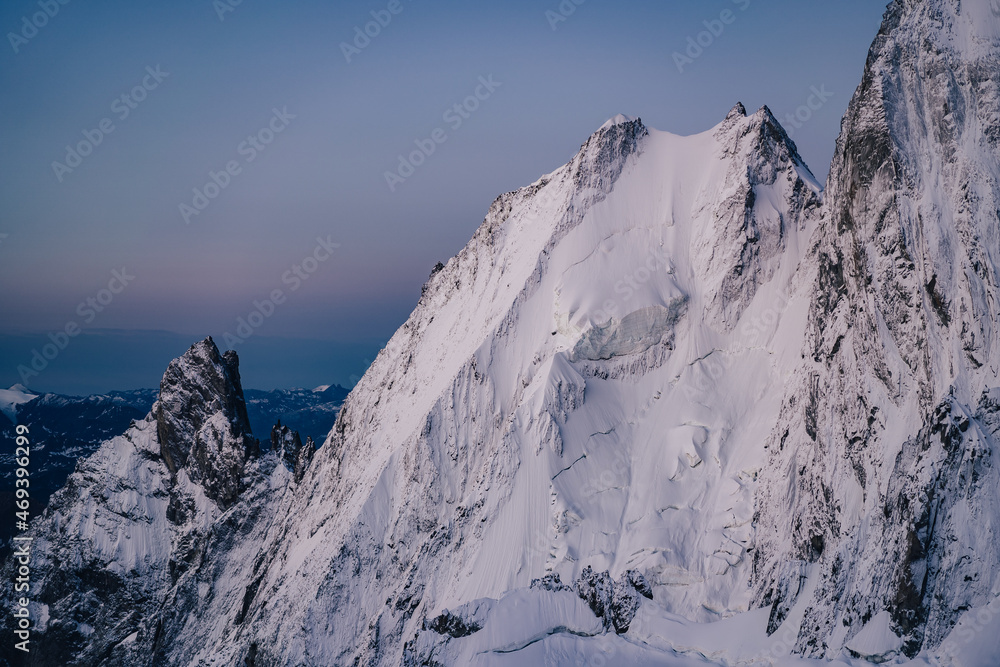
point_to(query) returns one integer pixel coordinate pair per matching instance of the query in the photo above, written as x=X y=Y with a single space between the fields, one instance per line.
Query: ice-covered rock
x=882 y=468
x=288 y=446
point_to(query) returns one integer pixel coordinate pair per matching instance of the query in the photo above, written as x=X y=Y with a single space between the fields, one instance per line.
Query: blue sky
x=199 y=87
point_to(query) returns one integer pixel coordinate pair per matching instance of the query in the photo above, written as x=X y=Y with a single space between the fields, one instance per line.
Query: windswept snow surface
x=618 y=119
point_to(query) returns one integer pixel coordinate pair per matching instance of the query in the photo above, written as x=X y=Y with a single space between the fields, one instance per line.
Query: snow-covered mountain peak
x=604 y=285
x=11 y=398
x=617 y=119
x=136 y=520
x=771 y=140
x=738 y=111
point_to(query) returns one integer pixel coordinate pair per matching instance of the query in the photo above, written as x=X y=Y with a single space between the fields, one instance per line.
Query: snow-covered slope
x=571 y=391
x=671 y=404
x=64 y=429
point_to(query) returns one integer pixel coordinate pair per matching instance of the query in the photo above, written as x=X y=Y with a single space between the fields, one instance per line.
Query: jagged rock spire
x=287 y=444
x=201 y=420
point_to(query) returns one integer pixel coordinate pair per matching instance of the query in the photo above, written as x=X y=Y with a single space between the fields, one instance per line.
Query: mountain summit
x=137 y=515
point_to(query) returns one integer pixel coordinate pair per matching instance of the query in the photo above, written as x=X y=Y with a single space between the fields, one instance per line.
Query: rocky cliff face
x=65 y=429
x=201 y=421
x=882 y=469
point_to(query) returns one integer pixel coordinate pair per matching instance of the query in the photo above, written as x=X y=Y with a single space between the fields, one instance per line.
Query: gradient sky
x=323 y=174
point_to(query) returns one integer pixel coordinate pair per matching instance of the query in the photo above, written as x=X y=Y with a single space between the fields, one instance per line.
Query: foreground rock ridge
x=139 y=514
x=673 y=403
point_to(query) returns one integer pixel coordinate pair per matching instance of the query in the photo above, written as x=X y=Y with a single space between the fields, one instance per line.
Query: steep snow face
x=588 y=383
x=886 y=451
x=101 y=550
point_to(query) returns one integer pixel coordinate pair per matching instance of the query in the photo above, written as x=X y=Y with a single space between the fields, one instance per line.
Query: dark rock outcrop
x=202 y=423
x=613 y=601
x=137 y=517
x=287 y=444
